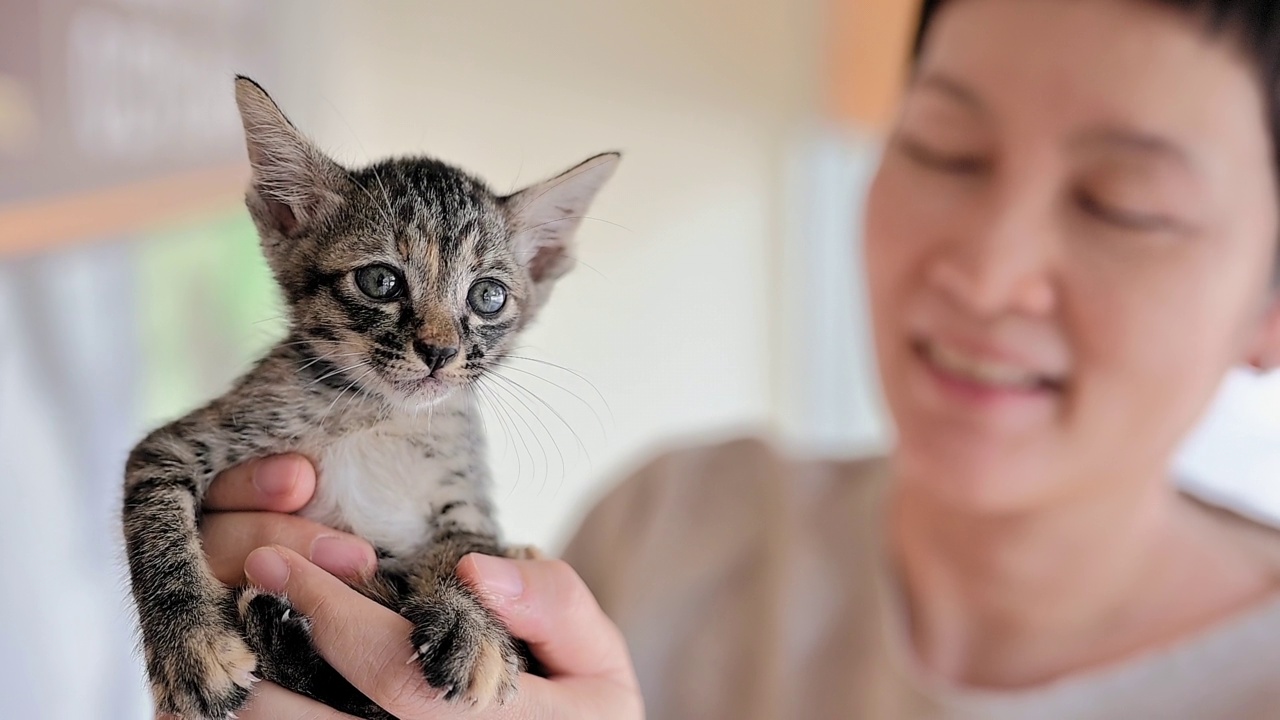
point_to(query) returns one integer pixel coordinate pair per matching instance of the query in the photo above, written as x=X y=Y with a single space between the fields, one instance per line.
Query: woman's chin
x=975 y=482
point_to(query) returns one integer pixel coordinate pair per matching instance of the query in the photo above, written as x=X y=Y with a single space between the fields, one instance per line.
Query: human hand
x=251 y=505
x=543 y=602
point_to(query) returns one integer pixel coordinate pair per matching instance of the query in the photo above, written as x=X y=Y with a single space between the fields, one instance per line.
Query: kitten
x=405 y=282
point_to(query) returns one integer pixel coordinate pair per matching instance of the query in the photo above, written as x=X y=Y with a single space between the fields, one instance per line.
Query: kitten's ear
x=546 y=215
x=293 y=183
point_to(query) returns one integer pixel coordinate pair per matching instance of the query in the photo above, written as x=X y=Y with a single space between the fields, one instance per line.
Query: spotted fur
x=377 y=393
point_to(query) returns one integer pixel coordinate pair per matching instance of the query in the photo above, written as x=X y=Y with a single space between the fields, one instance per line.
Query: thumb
x=546 y=604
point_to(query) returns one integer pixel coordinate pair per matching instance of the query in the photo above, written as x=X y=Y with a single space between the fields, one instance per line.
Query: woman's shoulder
x=747 y=462
x=693 y=486
x=692 y=508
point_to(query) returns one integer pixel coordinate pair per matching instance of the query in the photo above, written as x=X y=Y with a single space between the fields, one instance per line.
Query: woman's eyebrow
x=951 y=87
x=1138 y=142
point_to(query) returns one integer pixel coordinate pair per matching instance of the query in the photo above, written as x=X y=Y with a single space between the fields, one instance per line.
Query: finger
x=547 y=605
x=272 y=702
x=229 y=537
x=364 y=641
x=281 y=483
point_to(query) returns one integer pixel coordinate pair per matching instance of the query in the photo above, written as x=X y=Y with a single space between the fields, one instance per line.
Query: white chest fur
x=387 y=486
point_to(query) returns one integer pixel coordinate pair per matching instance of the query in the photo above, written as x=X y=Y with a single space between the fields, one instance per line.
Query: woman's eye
x=380 y=282
x=1122 y=218
x=487 y=297
x=954 y=163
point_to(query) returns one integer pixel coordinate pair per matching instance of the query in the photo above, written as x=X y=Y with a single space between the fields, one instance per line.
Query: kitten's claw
x=285 y=617
x=464 y=651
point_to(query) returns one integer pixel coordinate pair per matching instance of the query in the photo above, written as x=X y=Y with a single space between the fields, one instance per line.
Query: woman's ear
x=1264 y=351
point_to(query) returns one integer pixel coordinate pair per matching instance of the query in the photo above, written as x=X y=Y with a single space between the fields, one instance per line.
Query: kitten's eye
x=380 y=282
x=487 y=296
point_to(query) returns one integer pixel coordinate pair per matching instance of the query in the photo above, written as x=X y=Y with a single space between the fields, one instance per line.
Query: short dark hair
x=1253 y=24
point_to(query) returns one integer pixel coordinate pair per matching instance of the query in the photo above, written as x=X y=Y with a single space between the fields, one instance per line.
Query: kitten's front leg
x=199 y=665
x=463 y=648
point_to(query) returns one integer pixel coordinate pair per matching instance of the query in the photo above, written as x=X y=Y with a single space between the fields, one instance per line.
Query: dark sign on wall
x=99 y=92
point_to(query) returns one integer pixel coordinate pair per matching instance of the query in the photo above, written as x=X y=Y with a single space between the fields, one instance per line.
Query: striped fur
x=397 y=442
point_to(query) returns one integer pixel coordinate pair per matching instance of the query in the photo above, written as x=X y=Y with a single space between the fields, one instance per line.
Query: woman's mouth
x=984 y=371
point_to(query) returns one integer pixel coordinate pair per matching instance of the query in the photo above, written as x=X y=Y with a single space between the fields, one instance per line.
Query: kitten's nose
x=434 y=356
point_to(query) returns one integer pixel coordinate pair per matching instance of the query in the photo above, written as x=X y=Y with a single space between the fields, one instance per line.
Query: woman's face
x=1070 y=239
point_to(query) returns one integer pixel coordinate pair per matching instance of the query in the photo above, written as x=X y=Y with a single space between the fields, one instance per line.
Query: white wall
x=672 y=313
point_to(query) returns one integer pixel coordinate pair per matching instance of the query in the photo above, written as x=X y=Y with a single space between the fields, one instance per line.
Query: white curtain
x=66 y=379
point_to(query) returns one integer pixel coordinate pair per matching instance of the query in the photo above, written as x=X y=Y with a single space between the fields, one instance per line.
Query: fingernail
x=498 y=576
x=342 y=556
x=275 y=475
x=267 y=569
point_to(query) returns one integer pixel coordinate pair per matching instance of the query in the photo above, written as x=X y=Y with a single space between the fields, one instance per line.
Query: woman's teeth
x=982 y=371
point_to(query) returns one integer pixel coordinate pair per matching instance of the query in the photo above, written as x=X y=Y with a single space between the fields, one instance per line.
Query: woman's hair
x=1253 y=24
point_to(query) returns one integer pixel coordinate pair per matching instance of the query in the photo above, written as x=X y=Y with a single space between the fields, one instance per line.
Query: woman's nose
x=1001 y=261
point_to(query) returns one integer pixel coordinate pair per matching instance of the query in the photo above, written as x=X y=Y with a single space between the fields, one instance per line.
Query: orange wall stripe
x=58 y=222
x=866 y=59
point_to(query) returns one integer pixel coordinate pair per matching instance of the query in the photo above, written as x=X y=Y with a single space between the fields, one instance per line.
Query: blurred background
x=719 y=291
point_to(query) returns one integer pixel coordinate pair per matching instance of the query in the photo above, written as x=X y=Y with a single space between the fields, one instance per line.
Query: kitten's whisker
x=577 y=217
x=582 y=446
x=516 y=181
x=385 y=217
x=315 y=341
x=515 y=428
x=563 y=464
x=562 y=368
x=479 y=393
x=391 y=210
x=526 y=256
x=588 y=266
x=507 y=444
x=542 y=449
x=526 y=391
x=510 y=430
x=338 y=397
x=529 y=393
x=339 y=371
x=386 y=214
x=328 y=356
x=558 y=182
x=576 y=396
x=355 y=395
x=475 y=406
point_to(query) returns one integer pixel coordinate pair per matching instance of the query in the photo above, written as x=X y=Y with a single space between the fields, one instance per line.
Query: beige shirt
x=750 y=585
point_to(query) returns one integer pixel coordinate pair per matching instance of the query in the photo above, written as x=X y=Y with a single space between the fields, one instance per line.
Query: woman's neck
x=1015 y=601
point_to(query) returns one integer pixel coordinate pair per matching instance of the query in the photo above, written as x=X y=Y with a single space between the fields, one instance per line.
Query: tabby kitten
x=405 y=282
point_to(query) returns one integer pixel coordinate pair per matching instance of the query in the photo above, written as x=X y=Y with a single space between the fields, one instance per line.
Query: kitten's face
x=409 y=278
x=414 y=291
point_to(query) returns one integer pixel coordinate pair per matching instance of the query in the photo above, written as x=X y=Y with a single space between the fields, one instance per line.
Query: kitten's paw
x=273 y=628
x=524 y=552
x=205 y=675
x=464 y=649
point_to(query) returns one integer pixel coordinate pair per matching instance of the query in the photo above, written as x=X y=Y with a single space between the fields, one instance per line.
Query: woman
x=1070 y=239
